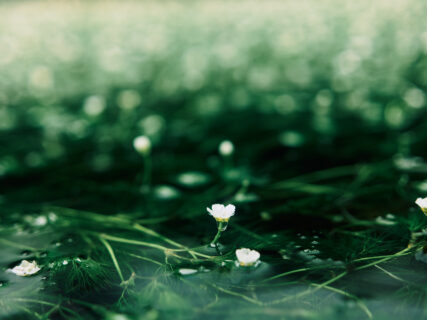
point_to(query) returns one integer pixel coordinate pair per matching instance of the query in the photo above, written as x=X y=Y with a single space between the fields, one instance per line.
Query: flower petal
x=217 y=207
x=230 y=209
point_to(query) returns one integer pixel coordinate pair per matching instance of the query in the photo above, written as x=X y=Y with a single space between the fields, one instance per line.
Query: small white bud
x=226 y=148
x=142 y=145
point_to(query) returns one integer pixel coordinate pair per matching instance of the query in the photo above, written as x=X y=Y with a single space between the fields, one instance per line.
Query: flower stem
x=146 y=178
x=214 y=242
x=228 y=162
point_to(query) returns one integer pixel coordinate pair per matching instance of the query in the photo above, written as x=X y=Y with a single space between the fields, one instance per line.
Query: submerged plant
x=222 y=215
x=79 y=275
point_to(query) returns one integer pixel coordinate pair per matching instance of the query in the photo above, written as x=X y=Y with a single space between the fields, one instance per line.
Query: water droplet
x=384 y=221
x=52 y=216
x=40 y=221
x=187 y=271
x=265 y=215
x=165 y=192
x=291 y=139
x=317 y=261
x=25 y=253
x=193 y=179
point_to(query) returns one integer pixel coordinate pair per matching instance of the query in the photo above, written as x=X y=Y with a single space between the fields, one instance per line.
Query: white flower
x=226 y=148
x=222 y=213
x=142 y=144
x=247 y=257
x=25 y=268
x=422 y=203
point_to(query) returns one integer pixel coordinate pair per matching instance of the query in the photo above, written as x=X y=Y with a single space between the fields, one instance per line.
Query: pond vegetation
x=213 y=160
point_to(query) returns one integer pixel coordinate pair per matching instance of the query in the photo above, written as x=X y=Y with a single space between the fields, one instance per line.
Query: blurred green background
x=86 y=77
x=324 y=101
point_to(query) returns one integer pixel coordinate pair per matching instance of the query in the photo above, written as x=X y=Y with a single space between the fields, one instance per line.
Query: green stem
x=228 y=162
x=285 y=274
x=218 y=234
x=149 y=244
x=146 y=178
x=113 y=257
x=237 y=294
x=400 y=253
x=158 y=235
x=17 y=245
x=308 y=291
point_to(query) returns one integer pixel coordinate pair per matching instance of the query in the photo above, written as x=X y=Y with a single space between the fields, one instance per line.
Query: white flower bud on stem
x=221 y=214
x=226 y=150
x=142 y=145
